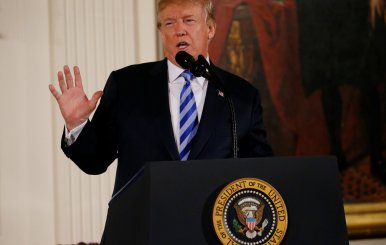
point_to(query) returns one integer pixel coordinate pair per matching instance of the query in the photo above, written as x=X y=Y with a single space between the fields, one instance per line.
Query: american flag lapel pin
x=221 y=93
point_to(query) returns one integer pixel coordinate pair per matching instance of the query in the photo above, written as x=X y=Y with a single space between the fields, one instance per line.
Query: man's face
x=184 y=27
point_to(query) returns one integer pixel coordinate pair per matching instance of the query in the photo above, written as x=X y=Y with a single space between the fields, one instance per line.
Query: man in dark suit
x=138 y=117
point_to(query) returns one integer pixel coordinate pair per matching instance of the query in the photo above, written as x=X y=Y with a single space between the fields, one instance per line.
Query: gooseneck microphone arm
x=202 y=68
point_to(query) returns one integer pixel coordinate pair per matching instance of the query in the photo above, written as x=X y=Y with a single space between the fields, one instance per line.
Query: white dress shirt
x=199 y=86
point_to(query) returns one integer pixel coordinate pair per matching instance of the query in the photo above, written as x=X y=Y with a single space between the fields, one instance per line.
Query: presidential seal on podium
x=249 y=211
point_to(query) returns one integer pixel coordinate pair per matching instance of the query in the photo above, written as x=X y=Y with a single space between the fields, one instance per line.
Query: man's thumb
x=95 y=97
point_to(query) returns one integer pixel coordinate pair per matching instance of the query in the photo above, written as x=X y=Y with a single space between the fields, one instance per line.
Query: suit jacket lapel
x=214 y=105
x=159 y=89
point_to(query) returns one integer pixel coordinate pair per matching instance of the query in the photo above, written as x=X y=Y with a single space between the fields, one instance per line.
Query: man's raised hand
x=74 y=105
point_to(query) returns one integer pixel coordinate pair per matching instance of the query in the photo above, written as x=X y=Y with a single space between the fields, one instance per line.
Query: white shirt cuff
x=71 y=136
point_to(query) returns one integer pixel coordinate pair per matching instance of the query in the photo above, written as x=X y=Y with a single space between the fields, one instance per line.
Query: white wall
x=26 y=169
x=44 y=198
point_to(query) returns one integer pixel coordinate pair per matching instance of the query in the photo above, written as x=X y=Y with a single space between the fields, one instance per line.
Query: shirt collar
x=174 y=72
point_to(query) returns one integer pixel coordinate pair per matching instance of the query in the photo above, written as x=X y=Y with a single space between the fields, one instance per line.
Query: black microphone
x=203 y=67
x=199 y=68
x=186 y=61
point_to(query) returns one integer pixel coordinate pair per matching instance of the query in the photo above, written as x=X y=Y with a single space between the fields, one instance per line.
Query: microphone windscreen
x=202 y=61
x=185 y=60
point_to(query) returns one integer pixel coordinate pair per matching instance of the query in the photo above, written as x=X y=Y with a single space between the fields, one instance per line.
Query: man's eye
x=190 y=21
x=169 y=24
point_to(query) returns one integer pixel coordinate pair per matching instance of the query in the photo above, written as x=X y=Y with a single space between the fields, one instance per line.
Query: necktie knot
x=187 y=75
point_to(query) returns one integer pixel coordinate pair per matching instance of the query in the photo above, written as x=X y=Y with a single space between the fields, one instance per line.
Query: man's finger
x=68 y=75
x=95 y=97
x=54 y=92
x=78 y=77
x=62 y=84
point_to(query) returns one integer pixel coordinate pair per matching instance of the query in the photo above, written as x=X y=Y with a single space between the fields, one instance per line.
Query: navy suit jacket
x=133 y=123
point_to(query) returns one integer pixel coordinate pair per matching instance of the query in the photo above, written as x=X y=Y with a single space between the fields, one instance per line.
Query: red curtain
x=276 y=28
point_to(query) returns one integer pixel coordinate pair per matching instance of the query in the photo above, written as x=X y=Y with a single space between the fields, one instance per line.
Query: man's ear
x=211 y=29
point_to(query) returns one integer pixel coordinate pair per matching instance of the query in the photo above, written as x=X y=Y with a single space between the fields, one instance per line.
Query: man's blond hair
x=206 y=4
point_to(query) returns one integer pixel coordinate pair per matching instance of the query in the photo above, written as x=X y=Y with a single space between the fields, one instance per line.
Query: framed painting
x=320 y=67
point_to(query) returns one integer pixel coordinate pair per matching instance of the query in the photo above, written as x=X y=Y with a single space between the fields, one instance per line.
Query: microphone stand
x=202 y=68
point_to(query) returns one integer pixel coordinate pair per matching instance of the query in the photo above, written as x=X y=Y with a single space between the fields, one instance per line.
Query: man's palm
x=73 y=102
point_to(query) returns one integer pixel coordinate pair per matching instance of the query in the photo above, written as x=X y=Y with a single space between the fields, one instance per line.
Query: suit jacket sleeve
x=96 y=147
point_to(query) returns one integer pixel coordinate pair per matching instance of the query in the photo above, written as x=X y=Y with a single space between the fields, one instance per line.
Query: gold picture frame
x=366 y=219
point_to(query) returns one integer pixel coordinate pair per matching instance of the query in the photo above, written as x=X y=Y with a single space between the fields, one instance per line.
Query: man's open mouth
x=182 y=45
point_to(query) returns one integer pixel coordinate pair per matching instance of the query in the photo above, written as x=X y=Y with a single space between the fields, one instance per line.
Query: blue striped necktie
x=188 y=116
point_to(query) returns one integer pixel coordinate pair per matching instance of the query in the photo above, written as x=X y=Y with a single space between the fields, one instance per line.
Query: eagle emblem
x=249 y=212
